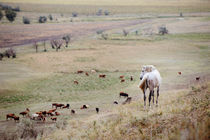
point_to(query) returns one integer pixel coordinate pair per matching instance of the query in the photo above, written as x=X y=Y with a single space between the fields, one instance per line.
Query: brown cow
x=59 y=105
x=67 y=106
x=16 y=118
x=76 y=82
x=123 y=80
x=54 y=104
x=80 y=71
x=86 y=74
x=54 y=119
x=9 y=116
x=179 y=72
x=73 y=111
x=131 y=78
x=84 y=107
x=197 y=78
x=122 y=76
x=102 y=76
x=123 y=94
x=57 y=113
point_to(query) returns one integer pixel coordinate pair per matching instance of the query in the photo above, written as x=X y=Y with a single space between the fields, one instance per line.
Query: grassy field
x=36 y=80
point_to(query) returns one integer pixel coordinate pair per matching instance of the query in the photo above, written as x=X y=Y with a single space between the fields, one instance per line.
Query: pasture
x=36 y=80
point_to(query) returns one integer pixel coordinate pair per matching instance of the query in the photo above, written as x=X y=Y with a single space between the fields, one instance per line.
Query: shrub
x=74 y=14
x=1 y=15
x=50 y=17
x=10 y=53
x=106 y=12
x=67 y=39
x=104 y=36
x=10 y=15
x=125 y=32
x=26 y=20
x=99 y=13
x=16 y=9
x=99 y=32
x=42 y=19
x=163 y=30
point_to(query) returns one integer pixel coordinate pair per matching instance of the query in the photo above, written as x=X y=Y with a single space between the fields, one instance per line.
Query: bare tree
x=56 y=44
x=67 y=39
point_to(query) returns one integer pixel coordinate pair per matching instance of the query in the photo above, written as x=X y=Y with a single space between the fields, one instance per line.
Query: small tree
x=125 y=33
x=74 y=14
x=163 y=30
x=56 y=44
x=106 y=12
x=67 y=39
x=104 y=36
x=50 y=17
x=1 y=14
x=36 y=46
x=42 y=19
x=10 y=15
x=26 y=20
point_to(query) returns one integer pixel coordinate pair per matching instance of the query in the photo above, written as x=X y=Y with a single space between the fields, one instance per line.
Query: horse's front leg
x=145 y=99
x=150 y=96
x=157 y=96
x=153 y=96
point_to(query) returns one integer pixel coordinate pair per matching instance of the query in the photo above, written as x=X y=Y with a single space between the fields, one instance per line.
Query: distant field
x=114 y=7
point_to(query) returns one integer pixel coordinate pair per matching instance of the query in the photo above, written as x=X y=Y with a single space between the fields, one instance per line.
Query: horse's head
x=146 y=69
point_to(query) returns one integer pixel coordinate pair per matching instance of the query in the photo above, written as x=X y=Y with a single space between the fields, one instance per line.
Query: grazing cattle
x=16 y=118
x=115 y=102
x=86 y=74
x=34 y=116
x=54 y=104
x=80 y=71
x=25 y=112
x=50 y=113
x=131 y=78
x=76 y=82
x=197 y=78
x=150 y=78
x=57 y=113
x=59 y=105
x=9 y=116
x=54 y=119
x=44 y=113
x=39 y=113
x=128 y=100
x=52 y=110
x=84 y=107
x=123 y=80
x=73 y=111
x=102 y=76
x=67 y=106
x=97 y=109
x=179 y=72
x=123 y=94
x=122 y=76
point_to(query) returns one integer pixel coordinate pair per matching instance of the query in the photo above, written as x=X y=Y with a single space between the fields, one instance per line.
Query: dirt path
x=13 y=35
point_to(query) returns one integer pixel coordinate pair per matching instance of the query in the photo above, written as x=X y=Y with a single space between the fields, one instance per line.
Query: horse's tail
x=142 y=83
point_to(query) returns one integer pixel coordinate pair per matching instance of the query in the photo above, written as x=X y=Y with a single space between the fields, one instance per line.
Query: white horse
x=150 y=78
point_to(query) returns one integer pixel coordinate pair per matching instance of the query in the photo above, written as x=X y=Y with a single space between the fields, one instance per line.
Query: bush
x=125 y=32
x=99 y=13
x=104 y=36
x=163 y=30
x=10 y=15
x=50 y=17
x=1 y=15
x=42 y=19
x=106 y=12
x=74 y=14
x=26 y=20
x=99 y=32
x=10 y=53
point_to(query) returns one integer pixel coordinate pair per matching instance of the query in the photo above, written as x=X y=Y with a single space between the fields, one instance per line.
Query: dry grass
x=183 y=114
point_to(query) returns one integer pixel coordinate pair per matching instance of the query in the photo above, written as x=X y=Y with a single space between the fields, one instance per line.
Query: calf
x=59 y=105
x=54 y=119
x=80 y=71
x=9 y=116
x=123 y=80
x=76 y=82
x=67 y=106
x=122 y=76
x=73 y=111
x=23 y=113
x=102 y=76
x=123 y=94
x=84 y=107
x=86 y=74
x=97 y=109
x=16 y=118
x=57 y=113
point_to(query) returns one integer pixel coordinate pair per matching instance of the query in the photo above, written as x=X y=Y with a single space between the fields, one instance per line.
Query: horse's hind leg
x=153 y=96
x=157 y=96
x=150 y=96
